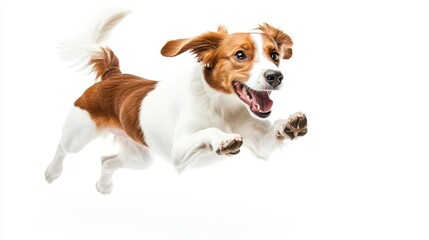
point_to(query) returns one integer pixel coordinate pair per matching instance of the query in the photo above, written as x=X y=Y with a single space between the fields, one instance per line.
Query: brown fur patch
x=105 y=64
x=115 y=103
x=284 y=42
x=203 y=46
x=270 y=47
x=226 y=68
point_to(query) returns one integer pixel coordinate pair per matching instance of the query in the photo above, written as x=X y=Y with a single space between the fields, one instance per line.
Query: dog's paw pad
x=231 y=146
x=296 y=125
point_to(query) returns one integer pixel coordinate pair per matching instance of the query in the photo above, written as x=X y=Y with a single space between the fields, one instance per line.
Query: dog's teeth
x=249 y=90
x=245 y=91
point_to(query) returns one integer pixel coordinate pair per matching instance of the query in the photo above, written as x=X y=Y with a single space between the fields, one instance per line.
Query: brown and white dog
x=223 y=104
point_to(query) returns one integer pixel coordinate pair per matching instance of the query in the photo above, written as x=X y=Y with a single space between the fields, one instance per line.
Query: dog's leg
x=78 y=131
x=264 y=138
x=209 y=142
x=109 y=164
x=132 y=155
x=56 y=166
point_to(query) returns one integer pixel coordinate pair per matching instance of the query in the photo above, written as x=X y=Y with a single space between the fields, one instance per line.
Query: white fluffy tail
x=81 y=50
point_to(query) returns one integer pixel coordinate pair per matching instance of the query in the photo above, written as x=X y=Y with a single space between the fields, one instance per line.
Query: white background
x=360 y=71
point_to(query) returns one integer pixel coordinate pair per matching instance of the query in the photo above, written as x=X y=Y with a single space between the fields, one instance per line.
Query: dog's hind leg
x=109 y=164
x=132 y=155
x=56 y=167
x=78 y=130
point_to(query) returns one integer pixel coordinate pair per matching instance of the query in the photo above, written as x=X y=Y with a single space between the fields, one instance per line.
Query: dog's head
x=244 y=64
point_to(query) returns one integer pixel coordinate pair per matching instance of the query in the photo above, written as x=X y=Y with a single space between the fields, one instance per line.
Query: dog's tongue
x=260 y=102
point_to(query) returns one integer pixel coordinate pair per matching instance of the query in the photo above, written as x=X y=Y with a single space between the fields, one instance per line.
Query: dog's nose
x=274 y=78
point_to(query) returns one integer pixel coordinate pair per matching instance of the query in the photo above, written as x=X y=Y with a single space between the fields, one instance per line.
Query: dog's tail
x=86 y=51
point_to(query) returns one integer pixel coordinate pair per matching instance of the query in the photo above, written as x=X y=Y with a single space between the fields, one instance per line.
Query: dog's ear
x=284 y=42
x=203 y=46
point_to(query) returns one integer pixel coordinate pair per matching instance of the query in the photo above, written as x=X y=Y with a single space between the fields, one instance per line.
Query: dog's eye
x=240 y=55
x=275 y=56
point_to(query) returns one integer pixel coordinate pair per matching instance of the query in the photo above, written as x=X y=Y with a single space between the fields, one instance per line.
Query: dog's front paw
x=295 y=126
x=230 y=146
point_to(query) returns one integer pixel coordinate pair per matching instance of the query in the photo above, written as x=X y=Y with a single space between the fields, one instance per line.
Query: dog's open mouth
x=258 y=101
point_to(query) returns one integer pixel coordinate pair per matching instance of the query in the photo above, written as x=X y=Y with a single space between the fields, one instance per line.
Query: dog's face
x=244 y=64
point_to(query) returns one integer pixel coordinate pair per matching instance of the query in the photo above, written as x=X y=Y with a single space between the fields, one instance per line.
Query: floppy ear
x=203 y=46
x=284 y=42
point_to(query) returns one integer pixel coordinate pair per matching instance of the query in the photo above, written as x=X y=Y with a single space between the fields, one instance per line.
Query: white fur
x=261 y=65
x=183 y=120
x=79 y=51
x=78 y=131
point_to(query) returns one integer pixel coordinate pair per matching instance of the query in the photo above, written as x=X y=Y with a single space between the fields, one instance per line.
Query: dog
x=223 y=105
